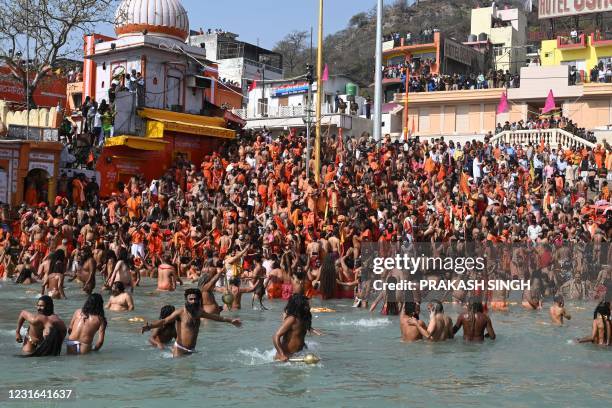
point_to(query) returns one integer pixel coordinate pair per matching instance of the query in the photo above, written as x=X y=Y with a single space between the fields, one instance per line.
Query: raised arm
x=163 y=322
x=219 y=318
x=101 y=334
x=23 y=317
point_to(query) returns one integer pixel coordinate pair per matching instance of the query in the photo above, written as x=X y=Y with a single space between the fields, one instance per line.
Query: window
x=262 y=105
x=498 y=50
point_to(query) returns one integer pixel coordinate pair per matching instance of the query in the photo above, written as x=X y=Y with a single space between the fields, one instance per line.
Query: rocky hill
x=351 y=50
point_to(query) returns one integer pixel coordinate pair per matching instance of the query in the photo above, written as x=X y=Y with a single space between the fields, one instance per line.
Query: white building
x=281 y=105
x=175 y=76
x=239 y=61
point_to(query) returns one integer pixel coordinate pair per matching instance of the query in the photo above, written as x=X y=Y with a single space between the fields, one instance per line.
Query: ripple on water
x=375 y=322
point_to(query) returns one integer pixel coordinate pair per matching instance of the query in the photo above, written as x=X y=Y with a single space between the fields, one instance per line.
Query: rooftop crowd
x=422 y=78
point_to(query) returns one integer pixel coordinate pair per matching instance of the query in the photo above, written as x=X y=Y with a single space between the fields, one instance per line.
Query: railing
x=571 y=41
x=260 y=65
x=280 y=112
x=552 y=137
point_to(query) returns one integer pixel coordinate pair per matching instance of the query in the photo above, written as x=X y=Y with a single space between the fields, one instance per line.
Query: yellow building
x=584 y=52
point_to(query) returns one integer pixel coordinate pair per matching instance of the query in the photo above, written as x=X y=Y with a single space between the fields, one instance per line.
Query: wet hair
x=94 y=305
x=328 y=277
x=123 y=255
x=558 y=299
x=410 y=308
x=26 y=273
x=603 y=309
x=299 y=307
x=235 y=281
x=51 y=344
x=193 y=291
x=49 y=308
x=166 y=311
x=120 y=286
x=437 y=306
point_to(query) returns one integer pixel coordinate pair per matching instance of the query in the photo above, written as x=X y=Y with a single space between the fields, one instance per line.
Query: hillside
x=351 y=50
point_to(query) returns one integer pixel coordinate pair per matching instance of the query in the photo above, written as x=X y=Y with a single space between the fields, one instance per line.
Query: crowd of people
x=422 y=78
x=251 y=218
x=553 y=122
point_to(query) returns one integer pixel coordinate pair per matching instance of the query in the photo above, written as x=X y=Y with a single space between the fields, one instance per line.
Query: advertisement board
x=565 y=8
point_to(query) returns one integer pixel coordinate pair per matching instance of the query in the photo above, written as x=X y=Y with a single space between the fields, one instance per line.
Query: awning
x=232 y=117
x=135 y=142
x=392 y=107
x=185 y=123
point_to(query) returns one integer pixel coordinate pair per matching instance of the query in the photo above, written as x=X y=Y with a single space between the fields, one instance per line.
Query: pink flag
x=325 y=76
x=550 y=103
x=503 y=104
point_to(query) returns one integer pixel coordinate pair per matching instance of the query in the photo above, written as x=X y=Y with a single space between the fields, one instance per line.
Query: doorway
x=36 y=186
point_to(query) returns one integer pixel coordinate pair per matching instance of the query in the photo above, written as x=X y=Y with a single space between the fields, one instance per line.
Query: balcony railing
x=280 y=112
x=552 y=137
x=260 y=65
x=571 y=42
x=414 y=40
x=599 y=39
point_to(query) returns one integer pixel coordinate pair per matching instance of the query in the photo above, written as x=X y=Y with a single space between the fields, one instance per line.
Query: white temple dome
x=166 y=18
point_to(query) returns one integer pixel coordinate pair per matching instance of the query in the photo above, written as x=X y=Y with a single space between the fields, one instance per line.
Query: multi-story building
x=584 y=51
x=239 y=62
x=505 y=29
x=282 y=105
x=431 y=53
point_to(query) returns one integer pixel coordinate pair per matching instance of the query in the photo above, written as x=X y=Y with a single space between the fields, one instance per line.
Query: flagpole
x=317 y=146
x=407 y=85
x=378 y=74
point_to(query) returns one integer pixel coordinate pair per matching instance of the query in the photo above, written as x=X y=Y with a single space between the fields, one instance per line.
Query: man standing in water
x=289 y=338
x=46 y=331
x=167 y=275
x=440 y=326
x=120 y=300
x=187 y=321
x=410 y=325
x=474 y=323
x=557 y=311
x=85 y=323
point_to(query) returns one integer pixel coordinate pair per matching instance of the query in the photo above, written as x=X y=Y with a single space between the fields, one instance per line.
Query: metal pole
x=378 y=73
x=317 y=169
x=28 y=70
x=308 y=118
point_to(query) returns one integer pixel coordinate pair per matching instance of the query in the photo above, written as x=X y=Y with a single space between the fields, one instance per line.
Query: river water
x=363 y=362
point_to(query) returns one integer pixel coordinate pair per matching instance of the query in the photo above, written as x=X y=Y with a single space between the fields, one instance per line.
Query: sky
x=269 y=20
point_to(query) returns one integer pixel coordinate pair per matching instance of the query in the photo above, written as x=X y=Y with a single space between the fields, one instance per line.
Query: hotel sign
x=564 y=8
x=458 y=52
x=292 y=89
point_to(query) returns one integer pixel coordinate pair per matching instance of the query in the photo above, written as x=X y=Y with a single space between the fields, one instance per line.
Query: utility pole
x=317 y=169
x=310 y=78
x=378 y=74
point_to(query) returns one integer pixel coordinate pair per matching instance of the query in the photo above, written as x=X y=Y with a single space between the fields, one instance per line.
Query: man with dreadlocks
x=297 y=321
x=474 y=323
x=85 y=323
x=187 y=321
x=46 y=332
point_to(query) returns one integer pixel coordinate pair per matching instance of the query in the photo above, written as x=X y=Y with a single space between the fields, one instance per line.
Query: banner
x=564 y=8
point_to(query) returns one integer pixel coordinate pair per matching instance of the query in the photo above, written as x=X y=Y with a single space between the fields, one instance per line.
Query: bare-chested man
x=121 y=272
x=440 y=326
x=85 y=323
x=208 y=279
x=557 y=311
x=410 y=325
x=53 y=281
x=86 y=274
x=187 y=321
x=120 y=300
x=297 y=321
x=601 y=333
x=474 y=323
x=46 y=330
x=167 y=275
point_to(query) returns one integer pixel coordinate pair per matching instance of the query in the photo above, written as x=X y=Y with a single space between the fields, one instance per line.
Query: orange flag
x=463 y=184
